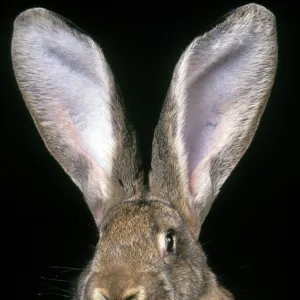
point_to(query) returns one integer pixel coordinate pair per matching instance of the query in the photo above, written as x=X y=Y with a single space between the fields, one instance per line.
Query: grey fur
x=207 y=123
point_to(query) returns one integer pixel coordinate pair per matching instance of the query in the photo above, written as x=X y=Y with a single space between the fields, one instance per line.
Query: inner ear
x=211 y=98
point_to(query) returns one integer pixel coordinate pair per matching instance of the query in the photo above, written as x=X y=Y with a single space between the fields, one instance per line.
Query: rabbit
x=149 y=224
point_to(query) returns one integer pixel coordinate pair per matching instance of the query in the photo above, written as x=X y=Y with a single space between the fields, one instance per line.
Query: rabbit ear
x=217 y=95
x=70 y=92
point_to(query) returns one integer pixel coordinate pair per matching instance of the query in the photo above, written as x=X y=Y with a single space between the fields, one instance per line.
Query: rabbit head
x=148 y=233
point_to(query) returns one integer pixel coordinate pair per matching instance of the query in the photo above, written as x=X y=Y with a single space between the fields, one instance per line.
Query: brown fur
x=130 y=262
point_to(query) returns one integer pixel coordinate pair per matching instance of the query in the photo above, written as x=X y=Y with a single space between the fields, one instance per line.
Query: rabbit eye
x=170 y=241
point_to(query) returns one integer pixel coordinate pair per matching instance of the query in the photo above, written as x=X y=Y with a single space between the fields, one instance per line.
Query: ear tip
x=251 y=20
x=255 y=11
x=33 y=16
x=24 y=21
x=32 y=25
x=27 y=15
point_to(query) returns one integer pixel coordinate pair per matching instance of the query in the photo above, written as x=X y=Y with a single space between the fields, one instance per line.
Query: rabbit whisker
x=68 y=268
x=53 y=279
x=54 y=294
x=56 y=288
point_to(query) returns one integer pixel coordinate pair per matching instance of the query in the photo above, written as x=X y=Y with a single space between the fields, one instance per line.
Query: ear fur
x=71 y=94
x=216 y=98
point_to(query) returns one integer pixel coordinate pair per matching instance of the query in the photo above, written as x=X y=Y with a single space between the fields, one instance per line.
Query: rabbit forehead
x=139 y=216
x=129 y=232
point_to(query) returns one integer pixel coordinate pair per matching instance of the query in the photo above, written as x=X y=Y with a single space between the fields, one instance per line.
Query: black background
x=46 y=223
